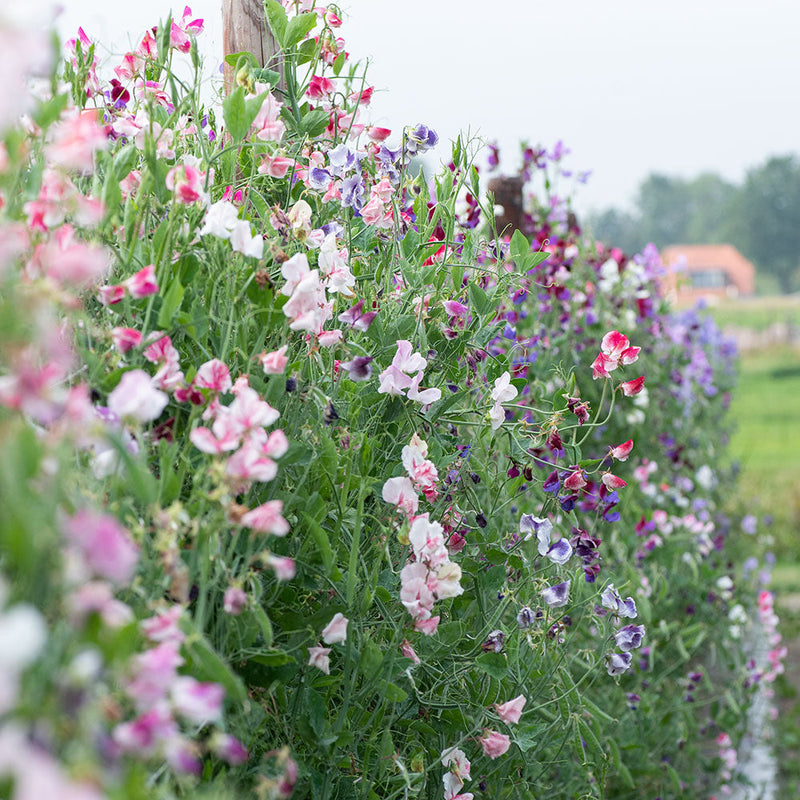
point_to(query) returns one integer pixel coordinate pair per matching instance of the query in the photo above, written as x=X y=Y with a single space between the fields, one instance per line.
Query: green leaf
x=170 y=303
x=207 y=665
x=234 y=112
x=249 y=58
x=320 y=540
x=493 y=664
x=479 y=300
x=371 y=659
x=49 y=111
x=277 y=20
x=273 y=659
x=394 y=694
x=265 y=75
x=298 y=28
x=520 y=246
x=315 y=122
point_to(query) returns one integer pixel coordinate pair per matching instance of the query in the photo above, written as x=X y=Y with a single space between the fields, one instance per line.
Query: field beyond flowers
x=320 y=482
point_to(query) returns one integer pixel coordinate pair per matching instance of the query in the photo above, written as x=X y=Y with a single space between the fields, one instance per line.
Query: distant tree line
x=761 y=217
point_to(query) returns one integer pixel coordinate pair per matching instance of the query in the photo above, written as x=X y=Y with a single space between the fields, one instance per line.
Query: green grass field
x=766 y=442
x=758 y=313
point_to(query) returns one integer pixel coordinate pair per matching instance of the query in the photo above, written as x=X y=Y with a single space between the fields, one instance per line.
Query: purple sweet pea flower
x=353 y=192
x=341 y=160
x=356 y=316
x=558 y=595
x=359 y=368
x=420 y=139
x=629 y=637
x=617 y=663
x=559 y=552
x=319 y=178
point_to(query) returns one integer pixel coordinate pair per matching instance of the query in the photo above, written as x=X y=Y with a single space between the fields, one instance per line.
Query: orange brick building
x=707 y=271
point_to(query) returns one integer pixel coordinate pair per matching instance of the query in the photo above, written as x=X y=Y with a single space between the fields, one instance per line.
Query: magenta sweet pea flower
x=143 y=283
x=197 y=702
x=631 y=388
x=621 y=451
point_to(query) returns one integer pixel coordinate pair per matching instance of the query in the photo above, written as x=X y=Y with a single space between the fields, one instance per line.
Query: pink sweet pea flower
x=111 y=295
x=197 y=702
x=378 y=134
x=228 y=748
x=621 y=451
x=136 y=398
x=274 y=363
x=186 y=181
x=422 y=396
x=617 y=347
x=267 y=518
x=427 y=626
x=511 y=711
x=104 y=544
x=143 y=283
x=631 y=388
x=213 y=375
x=319 y=657
x=400 y=492
x=74 y=141
x=408 y=651
x=612 y=482
x=235 y=601
x=494 y=744
x=125 y=339
x=275 y=166
x=164 y=626
x=285 y=569
x=575 y=481
x=336 y=630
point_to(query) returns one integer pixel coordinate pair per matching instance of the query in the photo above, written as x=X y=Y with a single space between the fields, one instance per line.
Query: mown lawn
x=766 y=442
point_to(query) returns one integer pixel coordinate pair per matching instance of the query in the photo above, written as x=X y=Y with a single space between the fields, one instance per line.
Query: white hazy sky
x=630 y=86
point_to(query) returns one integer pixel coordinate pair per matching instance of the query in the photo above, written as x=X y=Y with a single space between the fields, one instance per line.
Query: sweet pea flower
x=557 y=596
x=621 y=451
x=267 y=518
x=400 y=492
x=612 y=482
x=408 y=651
x=104 y=544
x=494 y=744
x=284 y=568
x=511 y=711
x=74 y=141
x=319 y=657
x=136 y=398
x=617 y=663
x=200 y=703
x=228 y=748
x=336 y=630
x=274 y=363
x=214 y=376
x=143 y=283
x=427 y=626
x=503 y=391
x=186 y=182
x=629 y=637
x=631 y=388
x=234 y=601
x=456 y=761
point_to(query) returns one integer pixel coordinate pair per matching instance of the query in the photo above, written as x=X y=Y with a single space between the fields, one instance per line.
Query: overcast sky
x=629 y=86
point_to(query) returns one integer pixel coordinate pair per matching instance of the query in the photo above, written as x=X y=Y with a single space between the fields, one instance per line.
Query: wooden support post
x=244 y=29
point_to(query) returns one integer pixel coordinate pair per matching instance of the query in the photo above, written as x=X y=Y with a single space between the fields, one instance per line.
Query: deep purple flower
x=356 y=316
x=552 y=483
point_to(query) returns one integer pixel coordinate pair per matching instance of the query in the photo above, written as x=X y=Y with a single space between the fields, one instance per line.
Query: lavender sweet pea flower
x=420 y=139
x=319 y=178
x=630 y=637
x=341 y=160
x=617 y=663
x=534 y=525
x=559 y=552
x=353 y=192
x=611 y=600
x=558 y=595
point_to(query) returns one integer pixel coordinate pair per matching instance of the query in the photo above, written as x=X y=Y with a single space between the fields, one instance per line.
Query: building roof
x=707 y=256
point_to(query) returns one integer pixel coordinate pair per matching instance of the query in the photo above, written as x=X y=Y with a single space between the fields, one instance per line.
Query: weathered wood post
x=508 y=194
x=245 y=29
